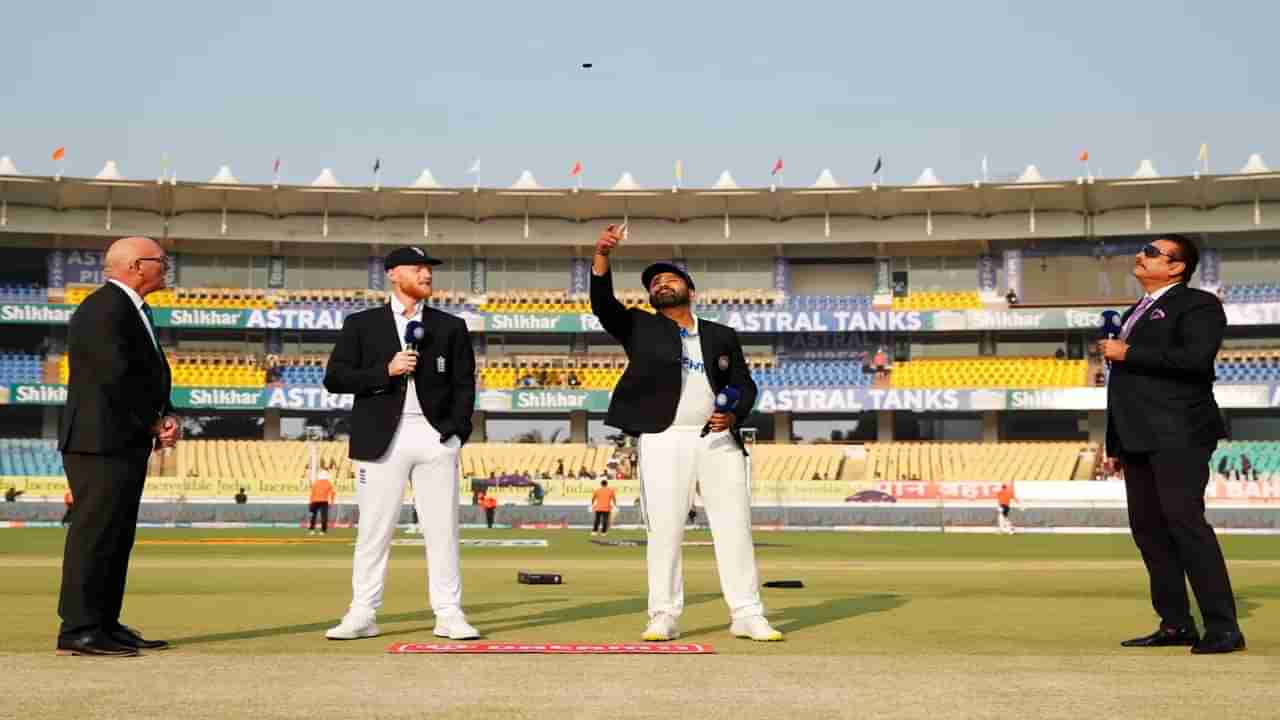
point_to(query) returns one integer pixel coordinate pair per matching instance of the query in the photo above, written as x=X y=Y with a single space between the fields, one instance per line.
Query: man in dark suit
x=1163 y=425
x=412 y=413
x=117 y=413
x=679 y=363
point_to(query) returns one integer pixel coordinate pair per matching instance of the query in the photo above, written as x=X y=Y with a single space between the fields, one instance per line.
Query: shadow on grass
x=255 y=633
x=578 y=613
x=795 y=619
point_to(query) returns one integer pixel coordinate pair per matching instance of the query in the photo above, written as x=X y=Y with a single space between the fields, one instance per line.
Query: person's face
x=151 y=269
x=668 y=290
x=1160 y=265
x=412 y=280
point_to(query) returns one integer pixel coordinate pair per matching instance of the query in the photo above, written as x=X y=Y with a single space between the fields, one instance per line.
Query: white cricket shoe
x=661 y=627
x=353 y=627
x=454 y=627
x=755 y=628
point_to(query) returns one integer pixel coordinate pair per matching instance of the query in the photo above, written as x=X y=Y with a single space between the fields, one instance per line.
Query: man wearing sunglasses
x=1162 y=427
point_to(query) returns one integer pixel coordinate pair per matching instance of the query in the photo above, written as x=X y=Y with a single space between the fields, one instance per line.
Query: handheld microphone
x=413 y=335
x=1111 y=327
x=726 y=401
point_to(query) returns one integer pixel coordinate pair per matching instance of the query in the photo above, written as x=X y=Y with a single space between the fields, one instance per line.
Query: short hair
x=604 y=483
x=1188 y=254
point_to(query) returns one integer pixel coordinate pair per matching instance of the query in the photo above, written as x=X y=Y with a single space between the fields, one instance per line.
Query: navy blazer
x=445 y=377
x=648 y=393
x=120 y=383
x=1161 y=396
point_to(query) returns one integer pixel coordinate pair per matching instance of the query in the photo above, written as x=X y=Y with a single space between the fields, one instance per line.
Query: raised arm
x=615 y=317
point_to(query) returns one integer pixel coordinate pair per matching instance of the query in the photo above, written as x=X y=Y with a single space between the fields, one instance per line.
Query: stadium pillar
x=51 y=419
x=991 y=426
x=271 y=424
x=1097 y=420
x=578 y=426
x=478 y=419
x=782 y=427
x=884 y=426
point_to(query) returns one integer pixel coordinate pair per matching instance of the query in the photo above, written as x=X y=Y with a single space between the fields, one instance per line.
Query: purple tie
x=1134 y=316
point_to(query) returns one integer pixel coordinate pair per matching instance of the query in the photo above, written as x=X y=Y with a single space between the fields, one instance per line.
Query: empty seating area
x=1264 y=459
x=829 y=303
x=283 y=461
x=296 y=369
x=974 y=462
x=1248 y=366
x=481 y=460
x=966 y=300
x=201 y=369
x=22 y=293
x=20 y=367
x=773 y=463
x=560 y=301
x=993 y=372
x=813 y=373
x=21 y=456
x=1262 y=292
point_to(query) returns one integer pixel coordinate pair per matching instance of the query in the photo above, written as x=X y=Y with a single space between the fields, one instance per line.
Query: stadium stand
x=481 y=460
x=282 y=460
x=772 y=463
x=993 y=372
x=1264 y=457
x=991 y=462
x=967 y=300
x=1262 y=292
x=813 y=373
x=20 y=367
x=591 y=372
x=1248 y=366
x=202 y=369
x=23 y=293
x=22 y=456
x=829 y=303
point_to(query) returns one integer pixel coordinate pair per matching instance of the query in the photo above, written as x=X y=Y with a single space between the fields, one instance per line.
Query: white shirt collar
x=398 y=307
x=133 y=294
x=1160 y=293
x=689 y=332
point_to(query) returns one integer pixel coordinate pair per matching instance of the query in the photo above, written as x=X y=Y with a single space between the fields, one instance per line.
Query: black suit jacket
x=646 y=396
x=119 y=385
x=1161 y=396
x=358 y=365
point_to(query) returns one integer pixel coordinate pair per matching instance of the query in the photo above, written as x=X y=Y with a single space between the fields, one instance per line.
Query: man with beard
x=412 y=413
x=667 y=397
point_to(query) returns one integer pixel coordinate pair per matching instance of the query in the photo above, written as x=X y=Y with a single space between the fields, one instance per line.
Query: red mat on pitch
x=410 y=648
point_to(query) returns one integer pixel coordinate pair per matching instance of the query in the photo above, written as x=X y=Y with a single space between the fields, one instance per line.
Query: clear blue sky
x=718 y=85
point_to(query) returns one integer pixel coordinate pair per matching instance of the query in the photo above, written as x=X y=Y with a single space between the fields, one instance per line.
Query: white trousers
x=670 y=463
x=415 y=456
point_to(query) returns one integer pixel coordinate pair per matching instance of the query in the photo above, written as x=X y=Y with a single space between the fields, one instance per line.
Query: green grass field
x=888 y=625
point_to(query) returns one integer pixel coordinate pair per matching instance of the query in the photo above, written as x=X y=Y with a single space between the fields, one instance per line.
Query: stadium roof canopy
x=527 y=213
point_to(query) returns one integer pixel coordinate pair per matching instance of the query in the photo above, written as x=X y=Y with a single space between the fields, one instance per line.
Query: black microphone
x=726 y=401
x=1111 y=327
x=413 y=335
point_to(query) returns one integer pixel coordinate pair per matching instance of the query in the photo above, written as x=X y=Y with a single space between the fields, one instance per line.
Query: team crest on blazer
x=723 y=362
x=440 y=364
x=1158 y=314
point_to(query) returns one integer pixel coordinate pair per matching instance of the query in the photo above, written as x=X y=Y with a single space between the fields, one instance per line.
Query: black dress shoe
x=1219 y=642
x=128 y=637
x=93 y=643
x=1165 y=637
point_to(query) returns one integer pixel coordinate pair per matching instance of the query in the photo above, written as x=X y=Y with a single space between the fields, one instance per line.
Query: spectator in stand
x=490 y=505
x=573 y=380
x=603 y=502
x=11 y=495
x=1059 y=354
x=1246 y=469
x=1011 y=297
x=275 y=373
x=880 y=361
x=241 y=498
